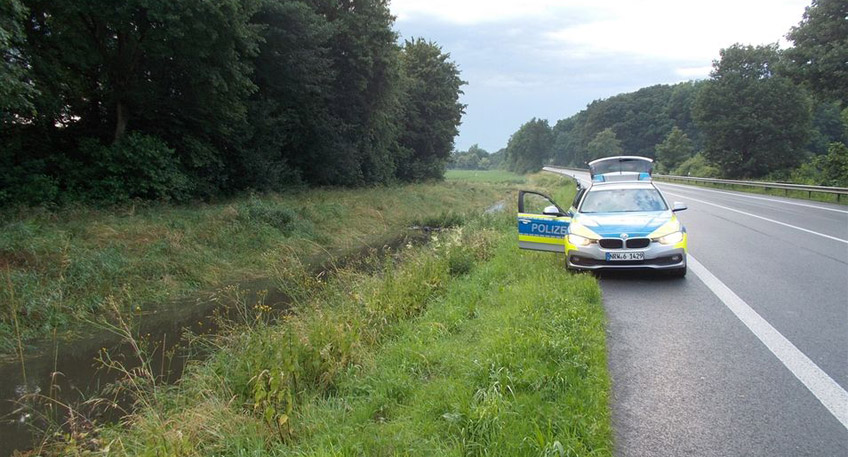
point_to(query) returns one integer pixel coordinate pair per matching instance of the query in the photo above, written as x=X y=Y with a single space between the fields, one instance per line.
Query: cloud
x=693 y=72
x=679 y=30
x=549 y=58
x=475 y=11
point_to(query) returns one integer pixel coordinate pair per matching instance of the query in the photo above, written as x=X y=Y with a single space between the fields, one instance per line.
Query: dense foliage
x=203 y=98
x=764 y=113
x=675 y=149
x=632 y=123
x=529 y=147
x=754 y=119
x=820 y=52
x=475 y=158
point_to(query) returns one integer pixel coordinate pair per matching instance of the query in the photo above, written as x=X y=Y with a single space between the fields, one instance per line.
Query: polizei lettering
x=548 y=229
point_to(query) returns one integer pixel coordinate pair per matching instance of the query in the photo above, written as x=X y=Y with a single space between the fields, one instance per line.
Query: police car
x=620 y=221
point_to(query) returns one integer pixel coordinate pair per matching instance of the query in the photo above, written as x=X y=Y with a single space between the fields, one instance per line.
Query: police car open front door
x=542 y=224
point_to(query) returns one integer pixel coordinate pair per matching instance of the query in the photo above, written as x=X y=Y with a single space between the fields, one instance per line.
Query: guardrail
x=838 y=191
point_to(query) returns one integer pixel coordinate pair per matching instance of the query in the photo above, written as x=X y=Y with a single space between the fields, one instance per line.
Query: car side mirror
x=679 y=206
x=551 y=211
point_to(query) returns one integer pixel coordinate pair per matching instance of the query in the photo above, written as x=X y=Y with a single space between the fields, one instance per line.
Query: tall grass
x=61 y=266
x=464 y=346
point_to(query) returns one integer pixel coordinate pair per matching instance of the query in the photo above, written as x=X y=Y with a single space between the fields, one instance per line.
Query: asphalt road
x=748 y=355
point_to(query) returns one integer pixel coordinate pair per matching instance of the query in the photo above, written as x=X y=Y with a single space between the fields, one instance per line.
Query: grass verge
x=492 y=176
x=58 y=269
x=465 y=346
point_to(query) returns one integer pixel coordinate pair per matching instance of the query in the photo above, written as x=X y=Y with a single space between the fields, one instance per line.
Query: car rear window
x=622 y=201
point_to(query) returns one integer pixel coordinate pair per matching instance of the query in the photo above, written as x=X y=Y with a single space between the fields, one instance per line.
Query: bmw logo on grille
x=624 y=236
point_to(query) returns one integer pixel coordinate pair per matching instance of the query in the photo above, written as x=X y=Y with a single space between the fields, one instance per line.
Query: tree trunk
x=120 y=120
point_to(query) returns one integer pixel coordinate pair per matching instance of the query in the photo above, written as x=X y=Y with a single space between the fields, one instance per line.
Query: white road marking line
x=761 y=217
x=822 y=386
x=736 y=194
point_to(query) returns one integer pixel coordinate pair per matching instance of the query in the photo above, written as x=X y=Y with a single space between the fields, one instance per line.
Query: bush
x=698 y=166
x=825 y=170
x=19 y=188
x=138 y=166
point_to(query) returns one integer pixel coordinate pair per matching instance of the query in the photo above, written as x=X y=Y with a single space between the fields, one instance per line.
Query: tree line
x=157 y=99
x=763 y=113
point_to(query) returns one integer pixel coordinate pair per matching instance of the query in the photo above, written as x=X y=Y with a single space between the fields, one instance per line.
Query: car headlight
x=671 y=238
x=578 y=240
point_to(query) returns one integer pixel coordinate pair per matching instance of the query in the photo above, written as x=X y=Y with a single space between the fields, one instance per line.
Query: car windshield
x=622 y=200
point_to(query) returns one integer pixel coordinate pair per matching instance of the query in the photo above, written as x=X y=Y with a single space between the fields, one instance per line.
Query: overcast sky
x=550 y=58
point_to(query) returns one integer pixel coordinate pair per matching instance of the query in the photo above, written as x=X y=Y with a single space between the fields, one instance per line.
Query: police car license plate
x=624 y=256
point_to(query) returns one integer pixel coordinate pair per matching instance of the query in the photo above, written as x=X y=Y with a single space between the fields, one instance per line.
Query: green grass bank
x=59 y=269
x=463 y=346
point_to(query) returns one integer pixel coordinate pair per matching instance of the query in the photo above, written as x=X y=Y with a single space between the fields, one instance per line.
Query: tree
x=366 y=92
x=15 y=88
x=432 y=112
x=676 y=148
x=529 y=147
x=679 y=109
x=827 y=127
x=475 y=158
x=755 y=121
x=830 y=169
x=696 y=166
x=290 y=134
x=178 y=71
x=820 y=52
x=605 y=144
x=566 y=148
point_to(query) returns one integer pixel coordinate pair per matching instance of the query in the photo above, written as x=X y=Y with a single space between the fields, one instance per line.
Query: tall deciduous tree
x=291 y=134
x=819 y=56
x=432 y=112
x=605 y=144
x=675 y=149
x=753 y=119
x=529 y=147
x=176 y=70
x=366 y=98
x=15 y=87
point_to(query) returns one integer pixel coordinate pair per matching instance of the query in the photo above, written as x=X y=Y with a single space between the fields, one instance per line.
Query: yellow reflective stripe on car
x=544 y=216
x=585 y=232
x=682 y=244
x=541 y=239
x=673 y=225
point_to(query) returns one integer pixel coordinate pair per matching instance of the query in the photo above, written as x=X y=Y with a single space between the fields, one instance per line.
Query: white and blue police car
x=620 y=221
